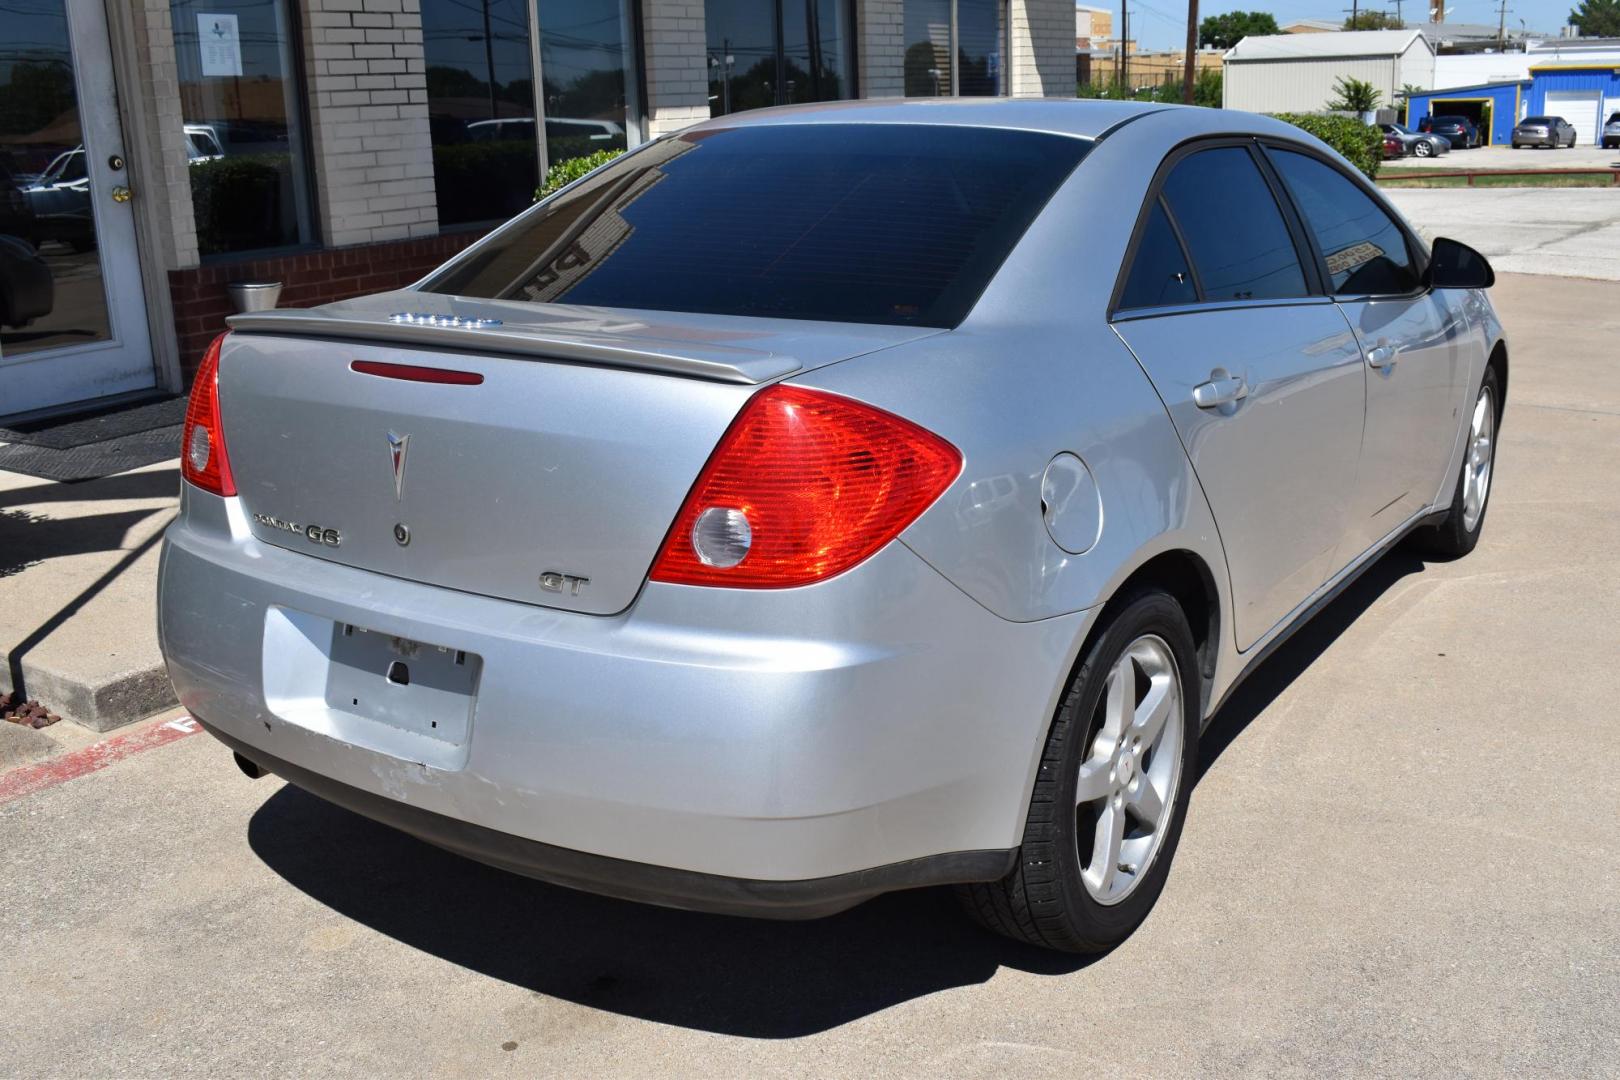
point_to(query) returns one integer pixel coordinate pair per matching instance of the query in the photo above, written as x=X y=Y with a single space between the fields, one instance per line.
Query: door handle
x=121 y=194
x=1222 y=389
x=1381 y=357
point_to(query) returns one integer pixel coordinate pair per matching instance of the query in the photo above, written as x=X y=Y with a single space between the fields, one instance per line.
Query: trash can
x=254 y=295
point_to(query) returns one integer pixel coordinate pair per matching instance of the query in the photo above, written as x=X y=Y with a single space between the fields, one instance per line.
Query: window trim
x=1414 y=249
x=1306 y=255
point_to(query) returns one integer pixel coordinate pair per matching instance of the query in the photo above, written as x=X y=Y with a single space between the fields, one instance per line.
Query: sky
x=1162 y=24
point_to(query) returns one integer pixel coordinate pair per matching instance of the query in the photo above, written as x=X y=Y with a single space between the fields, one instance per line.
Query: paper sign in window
x=221 y=43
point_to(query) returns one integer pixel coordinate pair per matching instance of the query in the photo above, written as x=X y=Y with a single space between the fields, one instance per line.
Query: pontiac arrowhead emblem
x=396 y=452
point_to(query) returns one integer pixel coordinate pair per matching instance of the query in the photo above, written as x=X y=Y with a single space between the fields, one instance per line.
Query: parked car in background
x=1393 y=147
x=1418 y=143
x=1458 y=130
x=879 y=542
x=1546 y=131
x=202 y=144
x=60 y=202
x=1611 y=131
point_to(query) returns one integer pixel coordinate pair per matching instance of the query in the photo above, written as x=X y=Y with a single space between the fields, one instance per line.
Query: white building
x=1298 y=72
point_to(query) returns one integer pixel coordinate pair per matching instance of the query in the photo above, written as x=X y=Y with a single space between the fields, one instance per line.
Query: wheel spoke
x=1106 y=844
x=1146 y=803
x=1154 y=710
x=1095 y=781
x=1118 y=710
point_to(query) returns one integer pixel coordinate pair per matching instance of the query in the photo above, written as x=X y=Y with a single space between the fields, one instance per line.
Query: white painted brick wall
x=677 y=65
x=159 y=99
x=880 y=47
x=1042 y=48
x=367 y=88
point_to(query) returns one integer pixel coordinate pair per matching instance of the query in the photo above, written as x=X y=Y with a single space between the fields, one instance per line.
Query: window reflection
x=480 y=86
x=239 y=96
x=976 y=68
x=777 y=53
x=51 y=286
x=588 y=75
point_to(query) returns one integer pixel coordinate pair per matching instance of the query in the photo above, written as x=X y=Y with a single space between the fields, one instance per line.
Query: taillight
x=202 y=442
x=803 y=485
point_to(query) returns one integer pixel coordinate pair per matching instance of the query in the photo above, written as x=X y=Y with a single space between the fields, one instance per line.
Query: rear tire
x=1119 y=756
x=1459 y=532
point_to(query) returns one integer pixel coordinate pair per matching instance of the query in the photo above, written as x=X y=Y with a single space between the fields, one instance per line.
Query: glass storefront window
x=975 y=68
x=239 y=95
x=482 y=104
x=777 y=53
x=587 y=72
x=480 y=85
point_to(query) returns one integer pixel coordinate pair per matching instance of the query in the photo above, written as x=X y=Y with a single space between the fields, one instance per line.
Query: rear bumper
x=786 y=751
x=807 y=899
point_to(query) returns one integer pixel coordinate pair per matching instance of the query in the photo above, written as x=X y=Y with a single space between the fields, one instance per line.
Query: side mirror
x=1453 y=265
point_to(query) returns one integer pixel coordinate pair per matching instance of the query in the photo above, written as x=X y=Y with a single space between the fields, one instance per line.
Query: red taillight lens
x=202 y=442
x=803 y=486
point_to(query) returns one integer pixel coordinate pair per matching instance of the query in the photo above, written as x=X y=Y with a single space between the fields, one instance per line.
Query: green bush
x=1361 y=144
x=238 y=203
x=482 y=181
x=566 y=172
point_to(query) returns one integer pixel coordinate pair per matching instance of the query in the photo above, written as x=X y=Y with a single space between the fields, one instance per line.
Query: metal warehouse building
x=1297 y=72
x=1581 y=93
x=1493 y=107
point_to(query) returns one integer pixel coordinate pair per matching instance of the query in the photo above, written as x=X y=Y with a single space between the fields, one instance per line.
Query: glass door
x=72 y=312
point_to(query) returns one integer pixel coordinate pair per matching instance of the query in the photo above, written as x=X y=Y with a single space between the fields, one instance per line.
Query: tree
x=1207 y=88
x=1374 y=20
x=1354 y=96
x=1597 y=18
x=1225 y=31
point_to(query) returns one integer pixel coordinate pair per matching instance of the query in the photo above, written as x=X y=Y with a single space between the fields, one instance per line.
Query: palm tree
x=1355 y=96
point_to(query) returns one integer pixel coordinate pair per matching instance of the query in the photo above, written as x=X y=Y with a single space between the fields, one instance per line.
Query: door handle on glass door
x=1222 y=389
x=121 y=194
x=1381 y=357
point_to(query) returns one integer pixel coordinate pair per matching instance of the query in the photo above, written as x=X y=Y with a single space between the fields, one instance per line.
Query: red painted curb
x=31 y=778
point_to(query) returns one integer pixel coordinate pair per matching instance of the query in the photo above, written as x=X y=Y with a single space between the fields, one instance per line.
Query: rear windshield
x=872 y=223
x=1543 y=120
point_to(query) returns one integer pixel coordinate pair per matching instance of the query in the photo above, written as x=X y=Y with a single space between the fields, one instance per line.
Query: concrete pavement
x=1567 y=232
x=1401 y=859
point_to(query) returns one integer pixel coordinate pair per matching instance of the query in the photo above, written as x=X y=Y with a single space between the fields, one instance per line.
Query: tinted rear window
x=902 y=224
x=1536 y=120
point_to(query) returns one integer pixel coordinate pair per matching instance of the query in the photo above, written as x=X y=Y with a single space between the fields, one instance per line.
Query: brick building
x=153 y=151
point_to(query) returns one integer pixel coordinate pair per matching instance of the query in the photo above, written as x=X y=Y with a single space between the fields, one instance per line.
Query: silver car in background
x=831 y=500
x=1417 y=143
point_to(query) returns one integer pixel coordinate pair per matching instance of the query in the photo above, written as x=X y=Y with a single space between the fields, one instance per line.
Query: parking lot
x=1493 y=158
x=1400 y=859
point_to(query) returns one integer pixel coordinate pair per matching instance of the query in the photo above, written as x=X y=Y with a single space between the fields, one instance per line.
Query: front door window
x=72 y=314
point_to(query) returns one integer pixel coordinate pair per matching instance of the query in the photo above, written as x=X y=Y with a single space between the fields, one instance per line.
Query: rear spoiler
x=718 y=363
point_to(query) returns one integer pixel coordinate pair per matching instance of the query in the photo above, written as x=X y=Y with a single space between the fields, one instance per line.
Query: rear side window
x=1365 y=250
x=1159 y=273
x=873 y=223
x=1233 y=228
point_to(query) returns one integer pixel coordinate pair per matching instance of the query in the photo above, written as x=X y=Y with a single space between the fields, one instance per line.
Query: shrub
x=566 y=172
x=481 y=181
x=238 y=202
x=1361 y=144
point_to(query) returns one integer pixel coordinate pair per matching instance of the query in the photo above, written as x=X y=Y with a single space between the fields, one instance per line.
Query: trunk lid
x=552 y=481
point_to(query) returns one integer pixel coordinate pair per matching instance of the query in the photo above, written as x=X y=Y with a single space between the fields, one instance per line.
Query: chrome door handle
x=1221 y=390
x=1381 y=357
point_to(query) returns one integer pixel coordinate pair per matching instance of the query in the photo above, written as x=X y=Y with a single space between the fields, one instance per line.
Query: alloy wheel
x=1423 y=149
x=1481 y=454
x=1129 y=780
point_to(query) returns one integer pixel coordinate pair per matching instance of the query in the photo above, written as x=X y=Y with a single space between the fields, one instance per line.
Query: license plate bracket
x=429 y=690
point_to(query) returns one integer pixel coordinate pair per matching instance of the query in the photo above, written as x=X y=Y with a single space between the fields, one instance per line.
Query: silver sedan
x=831 y=500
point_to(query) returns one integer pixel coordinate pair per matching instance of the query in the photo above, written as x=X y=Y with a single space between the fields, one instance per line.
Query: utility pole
x=1192 y=52
x=1399 y=15
x=1501 y=24
x=1124 y=43
x=489 y=58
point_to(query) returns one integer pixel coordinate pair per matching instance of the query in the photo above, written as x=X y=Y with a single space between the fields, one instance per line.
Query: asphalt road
x=1402 y=859
x=1566 y=232
x=1492 y=158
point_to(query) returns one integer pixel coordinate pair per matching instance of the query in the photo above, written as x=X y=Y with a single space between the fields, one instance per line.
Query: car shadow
x=734 y=976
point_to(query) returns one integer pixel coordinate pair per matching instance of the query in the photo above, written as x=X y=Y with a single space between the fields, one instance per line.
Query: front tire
x=1422 y=149
x=1111 y=794
x=1459 y=532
